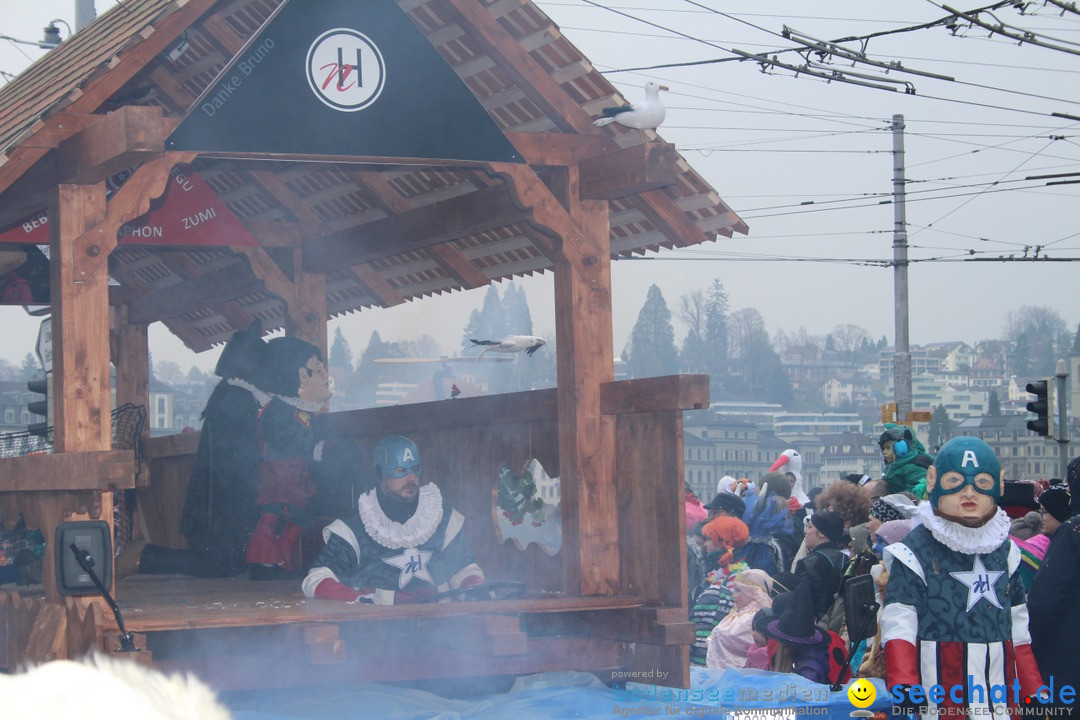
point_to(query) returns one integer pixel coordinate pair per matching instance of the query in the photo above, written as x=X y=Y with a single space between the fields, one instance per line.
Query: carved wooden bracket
x=132 y=200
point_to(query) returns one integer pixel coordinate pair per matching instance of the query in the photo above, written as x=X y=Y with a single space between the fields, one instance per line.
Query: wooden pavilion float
x=320 y=234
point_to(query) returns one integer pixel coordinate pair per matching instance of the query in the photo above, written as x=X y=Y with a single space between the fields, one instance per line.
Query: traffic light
x=39 y=407
x=1042 y=406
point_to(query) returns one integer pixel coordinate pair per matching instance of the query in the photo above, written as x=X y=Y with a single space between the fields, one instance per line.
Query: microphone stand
x=86 y=562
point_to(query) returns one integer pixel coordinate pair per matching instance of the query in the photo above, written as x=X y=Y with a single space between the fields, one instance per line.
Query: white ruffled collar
x=415 y=531
x=979 y=540
x=311 y=406
x=260 y=396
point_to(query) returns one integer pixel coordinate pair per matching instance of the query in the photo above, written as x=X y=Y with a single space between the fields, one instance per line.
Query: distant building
x=171 y=410
x=1023 y=454
x=786 y=424
x=14 y=417
x=845 y=453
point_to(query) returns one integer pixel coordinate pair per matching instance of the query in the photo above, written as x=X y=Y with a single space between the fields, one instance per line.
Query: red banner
x=189 y=213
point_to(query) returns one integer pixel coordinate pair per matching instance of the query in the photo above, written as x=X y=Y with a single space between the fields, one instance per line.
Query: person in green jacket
x=906 y=460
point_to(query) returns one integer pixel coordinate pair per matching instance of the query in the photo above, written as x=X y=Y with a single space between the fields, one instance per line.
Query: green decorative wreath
x=517 y=497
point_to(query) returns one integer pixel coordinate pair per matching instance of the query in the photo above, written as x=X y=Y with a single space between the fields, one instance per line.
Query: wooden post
x=131 y=356
x=585 y=361
x=79 y=290
x=308 y=320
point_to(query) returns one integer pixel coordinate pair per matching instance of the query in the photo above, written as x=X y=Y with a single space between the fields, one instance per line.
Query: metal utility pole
x=902 y=356
x=1061 y=376
x=84 y=13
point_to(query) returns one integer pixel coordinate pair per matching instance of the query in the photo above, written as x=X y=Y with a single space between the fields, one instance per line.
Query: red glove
x=331 y=589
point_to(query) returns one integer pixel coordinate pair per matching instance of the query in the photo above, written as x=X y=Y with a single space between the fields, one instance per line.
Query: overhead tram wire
x=815 y=207
x=807 y=71
x=966 y=202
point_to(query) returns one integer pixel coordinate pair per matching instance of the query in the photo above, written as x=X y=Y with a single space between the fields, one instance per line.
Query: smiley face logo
x=861 y=693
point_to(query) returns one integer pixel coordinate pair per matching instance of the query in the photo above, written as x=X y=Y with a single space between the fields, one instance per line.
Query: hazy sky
x=772 y=143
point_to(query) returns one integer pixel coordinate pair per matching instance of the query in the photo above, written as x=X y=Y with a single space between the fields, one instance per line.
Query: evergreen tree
x=368 y=375
x=994 y=403
x=489 y=323
x=717 y=334
x=340 y=353
x=515 y=308
x=30 y=367
x=652 y=341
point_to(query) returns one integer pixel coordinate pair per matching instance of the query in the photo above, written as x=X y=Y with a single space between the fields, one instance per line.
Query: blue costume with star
x=388 y=562
x=955 y=604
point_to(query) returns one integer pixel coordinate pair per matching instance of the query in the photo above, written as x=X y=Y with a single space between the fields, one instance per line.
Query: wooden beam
x=439 y=222
x=305 y=313
x=377 y=286
x=458 y=266
x=629 y=171
x=69 y=471
x=194 y=293
x=80 y=321
x=115 y=142
x=384 y=193
x=97 y=90
x=552 y=148
x=310 y=322
x=515 y=61
x=286 y=234
x=548 y=211
x=669 y=219
x=281 y=192
x=130 y=352
x=50 y=132
x=586 y=436
x=645 y=395
x=129 y=202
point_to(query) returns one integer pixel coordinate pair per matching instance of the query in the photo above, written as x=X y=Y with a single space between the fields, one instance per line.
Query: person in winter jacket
x=906 y=460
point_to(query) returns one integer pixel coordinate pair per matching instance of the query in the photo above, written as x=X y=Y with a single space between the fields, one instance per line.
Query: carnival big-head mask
x=964 y=462
x=395 y=457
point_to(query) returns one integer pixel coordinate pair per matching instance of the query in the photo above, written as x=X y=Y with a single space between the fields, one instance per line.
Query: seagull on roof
x=790 y=461
x=645 y=115
x=512 y=344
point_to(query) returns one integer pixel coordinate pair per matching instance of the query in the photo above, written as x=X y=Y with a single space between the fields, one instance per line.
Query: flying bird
x=791 y=462
x=646 y=115
x=512 y=344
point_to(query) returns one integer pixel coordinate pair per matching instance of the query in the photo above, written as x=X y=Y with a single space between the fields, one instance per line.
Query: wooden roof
x=382 y=233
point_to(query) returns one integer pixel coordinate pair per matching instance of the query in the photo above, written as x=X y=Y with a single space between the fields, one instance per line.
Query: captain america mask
x=962 y=463
x=396 y=457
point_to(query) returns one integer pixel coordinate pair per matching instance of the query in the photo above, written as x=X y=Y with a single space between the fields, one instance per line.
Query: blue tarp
x=713 y=694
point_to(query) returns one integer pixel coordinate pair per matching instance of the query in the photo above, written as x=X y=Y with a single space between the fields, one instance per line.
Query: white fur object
x=104 y=688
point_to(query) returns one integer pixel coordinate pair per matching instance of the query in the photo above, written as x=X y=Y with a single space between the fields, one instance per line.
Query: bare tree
x=168 y=372
x=849 y=338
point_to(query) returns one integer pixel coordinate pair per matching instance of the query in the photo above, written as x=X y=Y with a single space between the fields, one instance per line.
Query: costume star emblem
x=412 y=563
x=980 y=583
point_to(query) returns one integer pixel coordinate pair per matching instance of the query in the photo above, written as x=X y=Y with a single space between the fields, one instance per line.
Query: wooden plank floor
x=154 y=603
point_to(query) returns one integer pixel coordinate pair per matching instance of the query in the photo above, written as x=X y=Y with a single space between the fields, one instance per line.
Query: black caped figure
x=219 y=511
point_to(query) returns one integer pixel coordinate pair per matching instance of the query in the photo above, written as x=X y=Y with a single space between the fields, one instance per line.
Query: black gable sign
x=341 y=78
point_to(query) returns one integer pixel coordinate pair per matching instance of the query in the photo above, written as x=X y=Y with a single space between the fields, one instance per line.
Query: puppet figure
x=300 y=386
x=955 y=611
x=219 y=509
